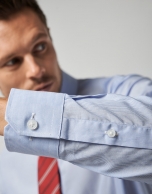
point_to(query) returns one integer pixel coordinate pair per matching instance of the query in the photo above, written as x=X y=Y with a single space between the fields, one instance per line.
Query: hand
x=3 y=123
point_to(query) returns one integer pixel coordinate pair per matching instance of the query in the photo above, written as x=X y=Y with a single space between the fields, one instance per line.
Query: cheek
x=51 y=58
x=10 y=80
x=5 y=85
x=51 y=63
x=53 y=70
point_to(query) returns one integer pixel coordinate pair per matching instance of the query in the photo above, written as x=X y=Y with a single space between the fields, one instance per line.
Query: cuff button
x=111 y=133
x=32 y=124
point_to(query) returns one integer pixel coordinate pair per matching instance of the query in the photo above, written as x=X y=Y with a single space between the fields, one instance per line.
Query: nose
x=33 y=68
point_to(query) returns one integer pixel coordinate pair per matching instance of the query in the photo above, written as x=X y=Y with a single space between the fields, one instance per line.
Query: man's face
x=27 y=56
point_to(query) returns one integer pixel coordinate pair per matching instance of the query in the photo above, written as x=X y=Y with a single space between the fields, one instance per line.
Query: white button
x=111 y=133
x=32 y=124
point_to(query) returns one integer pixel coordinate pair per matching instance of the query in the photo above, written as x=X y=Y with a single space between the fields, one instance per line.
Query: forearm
x=75 y=129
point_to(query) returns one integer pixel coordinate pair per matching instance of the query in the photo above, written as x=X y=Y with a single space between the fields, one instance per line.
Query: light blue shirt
x=77 y=129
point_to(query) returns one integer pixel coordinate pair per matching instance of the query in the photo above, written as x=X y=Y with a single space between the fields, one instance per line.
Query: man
x=108 y=134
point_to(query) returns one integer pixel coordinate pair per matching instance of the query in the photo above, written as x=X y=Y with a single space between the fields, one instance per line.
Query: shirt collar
x=69 y=84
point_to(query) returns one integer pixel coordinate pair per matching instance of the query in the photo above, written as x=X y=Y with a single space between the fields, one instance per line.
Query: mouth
x=44 y=87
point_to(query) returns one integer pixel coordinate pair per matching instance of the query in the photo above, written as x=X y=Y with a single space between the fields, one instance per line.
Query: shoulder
x=129 y=85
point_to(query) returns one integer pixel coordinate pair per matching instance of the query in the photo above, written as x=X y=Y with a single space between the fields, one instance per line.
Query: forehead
x=24 y=19
x=17 y=32
x=20 y=25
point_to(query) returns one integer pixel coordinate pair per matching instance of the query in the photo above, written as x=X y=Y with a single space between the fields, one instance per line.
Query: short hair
x=11 y=7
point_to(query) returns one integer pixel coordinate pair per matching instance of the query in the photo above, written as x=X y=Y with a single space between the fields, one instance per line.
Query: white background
x=101 y=37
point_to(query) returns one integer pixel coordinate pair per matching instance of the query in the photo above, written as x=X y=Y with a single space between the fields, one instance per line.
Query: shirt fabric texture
x=72 y=127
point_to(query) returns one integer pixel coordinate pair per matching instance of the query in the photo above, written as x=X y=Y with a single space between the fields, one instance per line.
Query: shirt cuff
x=48 y=110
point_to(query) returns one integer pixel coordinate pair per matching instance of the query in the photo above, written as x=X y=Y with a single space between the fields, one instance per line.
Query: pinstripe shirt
x=100 y=131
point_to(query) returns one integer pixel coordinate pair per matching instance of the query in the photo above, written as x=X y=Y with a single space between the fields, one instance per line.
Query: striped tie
x=48 y=176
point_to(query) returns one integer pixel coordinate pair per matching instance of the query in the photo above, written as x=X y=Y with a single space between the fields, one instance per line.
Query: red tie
x=48 y=176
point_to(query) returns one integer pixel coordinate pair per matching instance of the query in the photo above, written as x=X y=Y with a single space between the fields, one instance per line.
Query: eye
x=12 y=62
x=40 y=47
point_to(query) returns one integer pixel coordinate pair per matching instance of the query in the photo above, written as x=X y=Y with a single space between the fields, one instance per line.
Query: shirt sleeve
x=110 y=134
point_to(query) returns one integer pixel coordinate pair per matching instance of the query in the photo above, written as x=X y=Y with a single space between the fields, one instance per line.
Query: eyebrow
x=38 y=36
x=34 y=39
